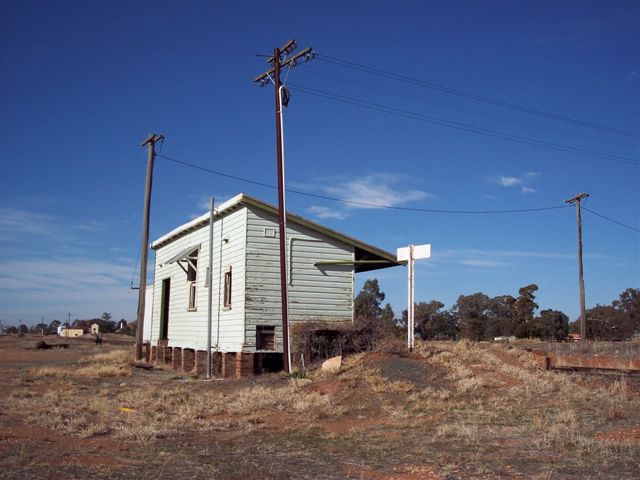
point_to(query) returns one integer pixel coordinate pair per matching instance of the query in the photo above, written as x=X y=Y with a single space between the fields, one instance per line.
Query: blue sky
x=75 y=108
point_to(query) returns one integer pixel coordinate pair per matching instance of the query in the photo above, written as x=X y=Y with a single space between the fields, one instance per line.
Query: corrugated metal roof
x=364 y=251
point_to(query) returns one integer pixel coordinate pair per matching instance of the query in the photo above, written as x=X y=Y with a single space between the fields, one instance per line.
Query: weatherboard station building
x=246 y=304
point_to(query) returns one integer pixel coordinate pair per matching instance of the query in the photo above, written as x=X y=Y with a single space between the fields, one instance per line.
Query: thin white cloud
x=48 y=261
x=509 y=181
x=480 y=263
x=523 y=181
x=16 y=224
x=475 y=253
x=326 y=213
x=372 y=191
x=87 y=285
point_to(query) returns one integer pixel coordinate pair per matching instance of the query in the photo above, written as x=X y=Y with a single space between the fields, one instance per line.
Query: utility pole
x=273 y=75
x=576 y=200
x=151 y=143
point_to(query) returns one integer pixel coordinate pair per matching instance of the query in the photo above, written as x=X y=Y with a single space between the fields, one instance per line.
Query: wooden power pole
x=576 y=200
x=273 y=75
x=151 y=143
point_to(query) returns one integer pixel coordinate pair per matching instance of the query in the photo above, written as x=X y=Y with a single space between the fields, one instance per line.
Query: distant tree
x=386 y=315
x=22 y=328
x=432 y=323
x=367 y=303
x=602 y=322
x=53 y=326
x=471 y=313
x=501 y=316
x=106 y=316
x=523 y=310
x=77 y=323
x=11 y=330
x=40 y=328
x=629 y=307
x=550 y=325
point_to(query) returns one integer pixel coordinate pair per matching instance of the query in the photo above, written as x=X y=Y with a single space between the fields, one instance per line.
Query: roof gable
x=368 y=257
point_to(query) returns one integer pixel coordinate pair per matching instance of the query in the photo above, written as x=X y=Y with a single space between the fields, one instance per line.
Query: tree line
x=105 y=323
x=480 y=317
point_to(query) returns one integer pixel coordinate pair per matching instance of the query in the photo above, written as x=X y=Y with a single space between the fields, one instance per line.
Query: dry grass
x=102 y=365
x=155 y=413
x=490 y=412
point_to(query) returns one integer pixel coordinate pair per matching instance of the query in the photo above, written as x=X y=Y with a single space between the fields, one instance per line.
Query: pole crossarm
x=153 y=138
x=307 y=53
x=577 y=198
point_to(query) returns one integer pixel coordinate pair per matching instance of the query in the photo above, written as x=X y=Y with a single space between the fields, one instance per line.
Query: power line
x=462 y=126
x=462 y=93
x=353 y=202
x=611 y=219
x=459 y=108
x=136 y=47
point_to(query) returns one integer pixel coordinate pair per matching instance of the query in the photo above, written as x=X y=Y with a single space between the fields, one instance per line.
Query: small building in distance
x=245 y=289
x=95 y=329
x=71 y=332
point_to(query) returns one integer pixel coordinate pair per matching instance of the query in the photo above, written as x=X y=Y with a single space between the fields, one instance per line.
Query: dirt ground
x=452 y=410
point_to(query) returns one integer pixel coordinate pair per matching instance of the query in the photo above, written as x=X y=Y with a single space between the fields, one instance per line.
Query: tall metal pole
x=151 y=143
x=576 y=201
x=410 y=310
x=210 y=292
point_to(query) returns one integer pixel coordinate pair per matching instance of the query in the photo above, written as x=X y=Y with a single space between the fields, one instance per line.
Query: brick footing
x=188 y=359
x=223 y=364
x=177 y=358
x=201 y=363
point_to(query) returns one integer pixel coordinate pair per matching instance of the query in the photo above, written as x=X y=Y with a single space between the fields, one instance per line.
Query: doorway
x=164 y=309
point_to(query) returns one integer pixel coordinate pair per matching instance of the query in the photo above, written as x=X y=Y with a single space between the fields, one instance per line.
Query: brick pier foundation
x=223 y=364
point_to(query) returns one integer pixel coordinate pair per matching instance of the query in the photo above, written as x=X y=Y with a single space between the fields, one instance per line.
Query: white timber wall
x=188 y=329
x=316 y=293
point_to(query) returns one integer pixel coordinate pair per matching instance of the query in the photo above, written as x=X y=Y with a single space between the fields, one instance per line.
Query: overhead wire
x=459 y=108
x=353 y=202
x=473 y=96
x=611 y=219
x=462 y=126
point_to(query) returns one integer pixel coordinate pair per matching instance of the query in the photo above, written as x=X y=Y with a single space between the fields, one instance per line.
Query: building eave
x=363 y=251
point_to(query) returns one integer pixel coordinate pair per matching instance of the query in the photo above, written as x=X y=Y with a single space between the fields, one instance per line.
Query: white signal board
x=419 y=251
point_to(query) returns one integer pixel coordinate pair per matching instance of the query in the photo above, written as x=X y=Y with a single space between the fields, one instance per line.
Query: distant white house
x=70 y=332
x=246 y=278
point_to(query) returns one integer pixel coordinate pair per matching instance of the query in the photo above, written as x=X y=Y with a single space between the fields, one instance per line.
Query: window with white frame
x=192 y=277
